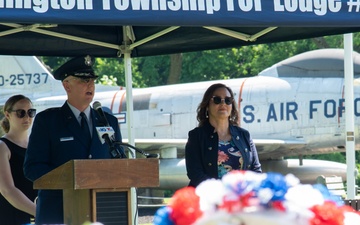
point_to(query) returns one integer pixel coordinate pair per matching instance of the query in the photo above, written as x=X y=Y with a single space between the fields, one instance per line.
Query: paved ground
x=146 y=215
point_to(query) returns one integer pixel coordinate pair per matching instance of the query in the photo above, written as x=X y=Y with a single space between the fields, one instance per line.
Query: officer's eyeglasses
x=217 y=100
x=20 y=113
x=86 y=80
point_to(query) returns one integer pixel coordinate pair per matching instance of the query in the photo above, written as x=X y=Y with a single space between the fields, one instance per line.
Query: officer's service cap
x=80 y=67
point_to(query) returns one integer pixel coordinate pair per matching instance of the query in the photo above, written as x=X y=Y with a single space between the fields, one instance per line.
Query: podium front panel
x=112 y=206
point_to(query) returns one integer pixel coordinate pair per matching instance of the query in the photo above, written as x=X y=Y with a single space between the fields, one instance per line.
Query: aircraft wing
x=267 y=148
x=160 y=145
x=156 y=144
x=277 y=148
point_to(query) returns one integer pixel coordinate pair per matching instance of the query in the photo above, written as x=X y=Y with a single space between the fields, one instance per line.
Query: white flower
x=270 y=217
x=241 y=183
x=351 y=218
x=300 y=198
x=265 y=195
x=292 y=180
x=211 y=193
x=304 y=196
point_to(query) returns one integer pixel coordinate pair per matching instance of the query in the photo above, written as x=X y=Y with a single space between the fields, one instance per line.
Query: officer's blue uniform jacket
x=201 y=152
x=56 y=138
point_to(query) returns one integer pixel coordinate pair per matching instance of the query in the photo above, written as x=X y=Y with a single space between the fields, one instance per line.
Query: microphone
x=104 y=136
x=98 y=108
x=106 y=133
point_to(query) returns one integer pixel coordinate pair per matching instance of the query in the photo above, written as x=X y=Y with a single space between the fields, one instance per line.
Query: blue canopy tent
x=107 y=28
x=136 y=28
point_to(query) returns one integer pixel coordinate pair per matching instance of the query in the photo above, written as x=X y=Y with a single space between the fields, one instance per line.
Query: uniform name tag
x=67 y=139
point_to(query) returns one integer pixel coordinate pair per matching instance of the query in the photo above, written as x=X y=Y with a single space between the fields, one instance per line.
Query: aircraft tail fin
x=328 y=62
x=26 y=75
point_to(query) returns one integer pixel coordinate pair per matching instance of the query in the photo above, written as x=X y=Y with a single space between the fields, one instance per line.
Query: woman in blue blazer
x=218 y=145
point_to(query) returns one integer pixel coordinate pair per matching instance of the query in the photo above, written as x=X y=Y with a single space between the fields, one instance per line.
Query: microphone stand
x=147 y=155
x=114 y=151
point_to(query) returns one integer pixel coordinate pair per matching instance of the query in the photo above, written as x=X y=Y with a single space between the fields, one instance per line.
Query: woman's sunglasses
x=217 y=100
x=20 y=113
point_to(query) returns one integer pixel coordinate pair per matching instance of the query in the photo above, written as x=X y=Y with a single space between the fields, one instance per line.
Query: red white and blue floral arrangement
x=249 y=198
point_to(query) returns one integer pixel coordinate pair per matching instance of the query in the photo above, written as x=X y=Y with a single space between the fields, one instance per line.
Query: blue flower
x=162 y=216
x=327 y=195
x=275 y=186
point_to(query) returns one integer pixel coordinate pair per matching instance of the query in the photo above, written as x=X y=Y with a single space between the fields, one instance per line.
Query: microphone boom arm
x=147 y=155
x=114 y=151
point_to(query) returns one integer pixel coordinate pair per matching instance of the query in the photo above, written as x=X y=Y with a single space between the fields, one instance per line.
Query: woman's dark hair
x=8 y=107
x=202 y=108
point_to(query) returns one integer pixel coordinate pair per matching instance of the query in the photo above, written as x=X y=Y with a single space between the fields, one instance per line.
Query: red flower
x=279 y=206
x=185 y=205
x=328 y=214
x=237 y=204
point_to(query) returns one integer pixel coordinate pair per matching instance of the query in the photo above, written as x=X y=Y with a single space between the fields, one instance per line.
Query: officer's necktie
x=85 y=127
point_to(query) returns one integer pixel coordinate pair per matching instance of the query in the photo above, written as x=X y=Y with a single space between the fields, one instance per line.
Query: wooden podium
x=99 y=190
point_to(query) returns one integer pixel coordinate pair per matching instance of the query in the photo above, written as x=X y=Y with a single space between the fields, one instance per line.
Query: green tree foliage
x=335 y=157
x=107 y=80
x=207 y=65
x=110 y=70
x=53 y=63
x=154 y=70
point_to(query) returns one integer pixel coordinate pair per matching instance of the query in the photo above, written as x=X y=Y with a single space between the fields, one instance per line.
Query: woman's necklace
x=224 y=137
